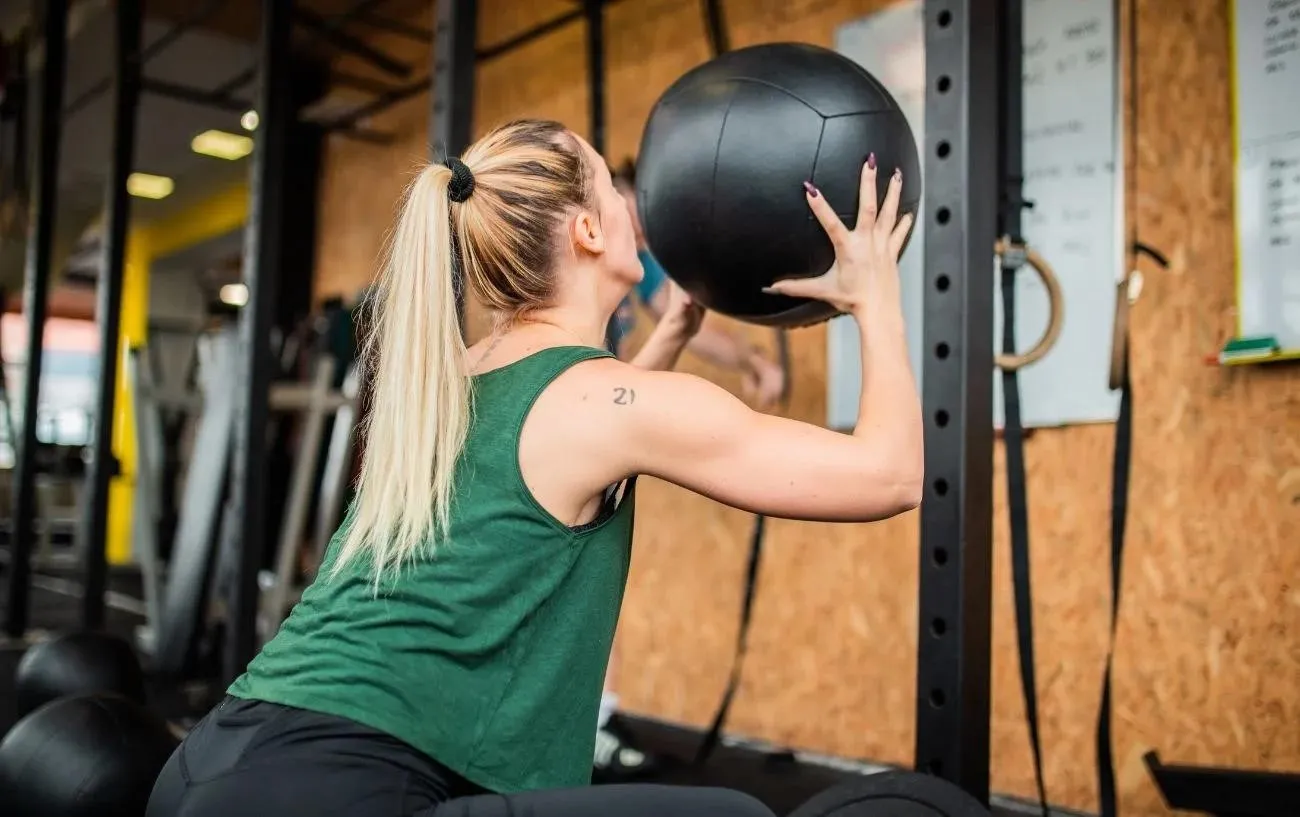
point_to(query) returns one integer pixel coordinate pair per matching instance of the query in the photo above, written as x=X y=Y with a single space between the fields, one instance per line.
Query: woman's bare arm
x=694 y=434
x=687 y=431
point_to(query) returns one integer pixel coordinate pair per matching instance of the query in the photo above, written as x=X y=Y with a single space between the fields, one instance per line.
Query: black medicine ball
x=83 y=756
x=722 y=164
x=77 y=664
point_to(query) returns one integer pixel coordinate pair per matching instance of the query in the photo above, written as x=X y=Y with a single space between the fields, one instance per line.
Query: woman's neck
x=578 y=326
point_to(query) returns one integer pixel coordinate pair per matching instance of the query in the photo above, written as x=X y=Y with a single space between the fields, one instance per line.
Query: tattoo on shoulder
x=624 y=397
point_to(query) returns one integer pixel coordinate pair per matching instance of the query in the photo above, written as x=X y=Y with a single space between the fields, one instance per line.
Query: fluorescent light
x=249 y=120
x=222 y=145
x=234 y=294
x=149 y=186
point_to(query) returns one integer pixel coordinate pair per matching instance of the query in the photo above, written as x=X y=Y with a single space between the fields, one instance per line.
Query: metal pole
x=1011 y=138
x=36 y=285
x=117 y=209
x=595 y=12
x=451 y=113
x=953 y=661
x=451 y=98
x=245 y=537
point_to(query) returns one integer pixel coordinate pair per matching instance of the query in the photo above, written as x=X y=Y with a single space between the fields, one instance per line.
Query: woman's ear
x=587 y=234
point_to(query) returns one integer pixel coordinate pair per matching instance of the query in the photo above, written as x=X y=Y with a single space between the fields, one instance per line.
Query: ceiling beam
x=525 y=37
x=238 y=19
x=397 y=27
x=331 y=30
x=379 y=103
x=196 y=96
x=197 y=17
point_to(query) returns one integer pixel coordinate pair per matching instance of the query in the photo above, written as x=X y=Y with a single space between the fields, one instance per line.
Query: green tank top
x=490 y=656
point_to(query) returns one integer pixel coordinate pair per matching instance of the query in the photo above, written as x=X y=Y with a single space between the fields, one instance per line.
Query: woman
x=449 y=657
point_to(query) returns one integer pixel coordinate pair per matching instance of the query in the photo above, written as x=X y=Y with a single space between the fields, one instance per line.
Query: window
x=69 y=379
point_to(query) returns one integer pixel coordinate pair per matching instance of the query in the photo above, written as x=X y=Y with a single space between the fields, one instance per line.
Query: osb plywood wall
x=1208 y=659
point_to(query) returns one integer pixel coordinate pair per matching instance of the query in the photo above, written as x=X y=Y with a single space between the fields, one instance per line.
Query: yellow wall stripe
x=213 y=217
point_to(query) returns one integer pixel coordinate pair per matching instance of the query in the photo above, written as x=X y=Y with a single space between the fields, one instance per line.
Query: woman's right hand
x=866 y=256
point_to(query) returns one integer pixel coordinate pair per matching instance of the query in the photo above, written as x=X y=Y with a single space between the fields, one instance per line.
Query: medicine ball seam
x=880 y=86
x=713 y=177
x=860 y=113
x=775 y=87
x=808 y=49
x=809 y=230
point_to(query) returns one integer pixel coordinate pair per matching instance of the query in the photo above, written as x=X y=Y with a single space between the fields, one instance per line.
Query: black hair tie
x=462 y=181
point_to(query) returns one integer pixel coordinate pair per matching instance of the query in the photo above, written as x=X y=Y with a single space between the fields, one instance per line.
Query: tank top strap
x=508 y=392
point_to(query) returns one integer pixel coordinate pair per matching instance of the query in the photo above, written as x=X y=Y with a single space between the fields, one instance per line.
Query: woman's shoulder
x=608 y=394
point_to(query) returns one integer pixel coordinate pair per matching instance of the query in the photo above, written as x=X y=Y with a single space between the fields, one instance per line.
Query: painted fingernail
x=812 y=191
x=871 y=160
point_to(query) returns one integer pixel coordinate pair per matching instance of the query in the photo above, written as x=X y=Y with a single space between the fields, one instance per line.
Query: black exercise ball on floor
x=722 y=164
x=84 y=756
x=893 y=794
x=76 y=664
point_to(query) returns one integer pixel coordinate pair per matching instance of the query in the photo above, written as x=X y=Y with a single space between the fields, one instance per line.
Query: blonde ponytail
x=421 y=393
x=507 y=214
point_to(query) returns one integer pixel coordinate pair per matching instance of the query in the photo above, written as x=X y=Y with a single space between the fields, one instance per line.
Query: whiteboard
x=1266 y=115
x=889 y=44
x=1070 y=148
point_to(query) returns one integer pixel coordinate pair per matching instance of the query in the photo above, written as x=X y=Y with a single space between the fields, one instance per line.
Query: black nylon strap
x=1122 y=463
x=716 y=29
x=714 y=735
x=711 y=738
x=1118 y=518
x=1018 y=509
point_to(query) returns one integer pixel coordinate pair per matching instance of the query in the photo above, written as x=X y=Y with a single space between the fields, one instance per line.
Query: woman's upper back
x=489 y=656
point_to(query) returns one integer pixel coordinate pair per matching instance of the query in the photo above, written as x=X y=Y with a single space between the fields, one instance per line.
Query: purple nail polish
x=812 y=191
x=871 y=160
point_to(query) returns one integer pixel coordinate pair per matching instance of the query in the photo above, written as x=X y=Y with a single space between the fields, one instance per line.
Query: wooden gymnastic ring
x=1055 y=309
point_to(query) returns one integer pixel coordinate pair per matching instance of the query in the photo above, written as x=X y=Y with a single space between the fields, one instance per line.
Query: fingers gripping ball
x=722 y=164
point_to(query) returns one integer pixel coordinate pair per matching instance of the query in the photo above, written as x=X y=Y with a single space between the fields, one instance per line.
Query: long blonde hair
x=526 y=176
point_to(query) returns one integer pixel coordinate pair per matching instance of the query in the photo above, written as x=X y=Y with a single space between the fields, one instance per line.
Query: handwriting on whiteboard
x=1069 y=167
x=1267 y=57
x=1281 y=35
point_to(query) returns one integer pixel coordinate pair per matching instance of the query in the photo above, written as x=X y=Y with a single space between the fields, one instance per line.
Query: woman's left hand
x=683 y=314
x=764 y=381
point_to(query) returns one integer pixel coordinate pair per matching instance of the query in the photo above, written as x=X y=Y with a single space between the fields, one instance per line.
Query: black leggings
x=250 y=758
